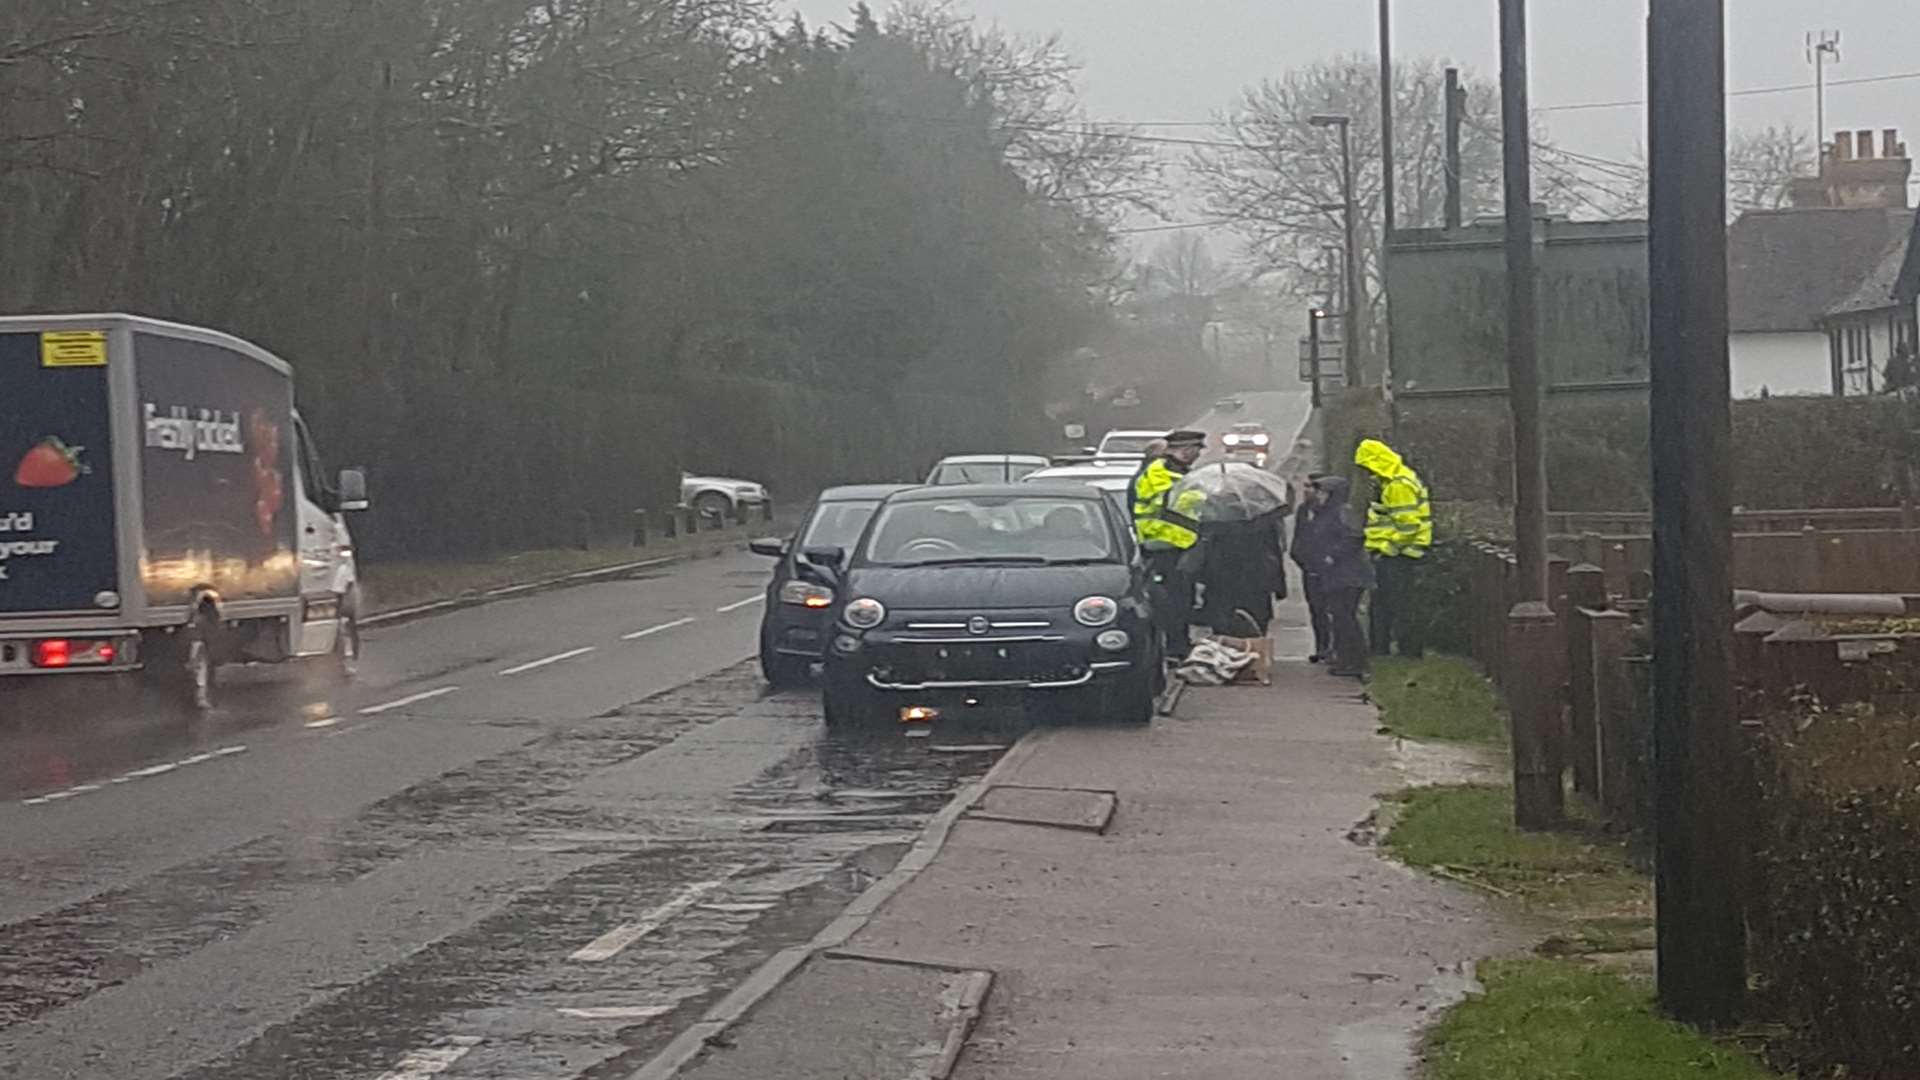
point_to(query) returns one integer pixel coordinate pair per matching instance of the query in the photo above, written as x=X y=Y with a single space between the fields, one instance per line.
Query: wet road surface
x=534 y=840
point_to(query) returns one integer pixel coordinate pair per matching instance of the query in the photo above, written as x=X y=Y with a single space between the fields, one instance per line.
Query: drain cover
x=1082 y=809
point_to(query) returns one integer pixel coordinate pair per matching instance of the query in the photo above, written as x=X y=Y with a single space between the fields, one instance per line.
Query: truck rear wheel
x=184 y=664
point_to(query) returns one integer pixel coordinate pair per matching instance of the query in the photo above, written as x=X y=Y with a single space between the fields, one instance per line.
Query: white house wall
x=1780 y=364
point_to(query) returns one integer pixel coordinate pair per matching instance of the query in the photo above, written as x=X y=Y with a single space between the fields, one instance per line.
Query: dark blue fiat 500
x=989 y=594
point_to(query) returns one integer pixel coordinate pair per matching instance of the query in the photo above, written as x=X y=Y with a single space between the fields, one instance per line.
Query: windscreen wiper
x=982 y=560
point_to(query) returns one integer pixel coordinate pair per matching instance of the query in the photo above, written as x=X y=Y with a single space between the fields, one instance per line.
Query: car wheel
x=848 y=701
x=783 y=672
x=1127 y=700
x=713 y=505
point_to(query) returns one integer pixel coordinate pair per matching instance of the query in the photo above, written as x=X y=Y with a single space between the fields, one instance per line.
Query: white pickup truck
x=162 y=508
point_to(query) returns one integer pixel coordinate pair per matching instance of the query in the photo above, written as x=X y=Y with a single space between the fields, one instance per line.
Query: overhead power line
x=1583 y=106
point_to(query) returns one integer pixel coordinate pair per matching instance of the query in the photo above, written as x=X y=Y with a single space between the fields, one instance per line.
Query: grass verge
x=1559 y=1019
x=1441 y=698
x=1581 y=1007
x=1466 y=832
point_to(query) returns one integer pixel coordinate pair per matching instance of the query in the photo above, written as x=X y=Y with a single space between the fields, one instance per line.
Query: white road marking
x=433 y=1061
x=411 y=699
x=229 y=751
x=609 y=944
x=326 y=721
x=968 y=748
x=41 y=801
x=652 y=630
x=736 y=606
x=195 y=759
x=618 y=1012
x=153 y=770
x=568 y=655
x=82 y=789
x=740 y=909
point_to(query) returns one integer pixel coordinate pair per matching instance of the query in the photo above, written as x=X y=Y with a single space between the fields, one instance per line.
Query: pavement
x=1227 y=921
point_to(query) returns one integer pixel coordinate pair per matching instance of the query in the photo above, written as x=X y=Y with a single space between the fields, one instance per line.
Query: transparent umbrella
x=1233 y=491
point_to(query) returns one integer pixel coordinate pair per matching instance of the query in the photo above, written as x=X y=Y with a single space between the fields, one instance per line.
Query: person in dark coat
x=1243 y=566
x=1346 y=573
x=1306 y=544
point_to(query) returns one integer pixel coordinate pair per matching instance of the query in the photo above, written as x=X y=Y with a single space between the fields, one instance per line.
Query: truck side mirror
x=353 y=490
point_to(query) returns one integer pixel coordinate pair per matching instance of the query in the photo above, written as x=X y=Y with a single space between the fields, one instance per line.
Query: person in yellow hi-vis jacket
x=1399 y=534
x=1168 y=533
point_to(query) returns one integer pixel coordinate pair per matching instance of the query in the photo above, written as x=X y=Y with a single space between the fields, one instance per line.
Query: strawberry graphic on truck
x=50 y=464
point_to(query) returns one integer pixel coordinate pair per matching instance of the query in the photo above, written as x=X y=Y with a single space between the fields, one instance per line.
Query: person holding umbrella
x=1242 y=560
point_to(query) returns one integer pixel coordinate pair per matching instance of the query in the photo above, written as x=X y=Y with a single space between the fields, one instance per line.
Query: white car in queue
x=1111 y=477
x=1248 y=442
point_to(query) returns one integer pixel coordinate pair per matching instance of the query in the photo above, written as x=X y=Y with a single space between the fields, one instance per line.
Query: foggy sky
x=1159 y=60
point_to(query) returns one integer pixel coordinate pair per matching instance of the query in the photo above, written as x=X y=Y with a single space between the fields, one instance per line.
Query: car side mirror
x=352 y=490
x=830 y=557
x=771 y=547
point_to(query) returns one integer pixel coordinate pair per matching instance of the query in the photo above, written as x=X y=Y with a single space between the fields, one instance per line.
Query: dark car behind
x=799 y=613
x=980 y=594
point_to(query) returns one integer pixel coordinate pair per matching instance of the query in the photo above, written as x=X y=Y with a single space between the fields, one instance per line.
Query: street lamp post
x=1313 y=349
x=1350 y=358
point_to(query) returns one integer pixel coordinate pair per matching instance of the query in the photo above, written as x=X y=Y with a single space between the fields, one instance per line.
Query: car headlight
x=1261 y=440
x=806 y=594
x=1096 y=611
x=1113 y=640
x=866 y=613
x=1232 y=440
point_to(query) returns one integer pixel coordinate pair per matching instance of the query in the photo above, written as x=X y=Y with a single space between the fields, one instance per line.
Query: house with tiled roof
x=1811 y=289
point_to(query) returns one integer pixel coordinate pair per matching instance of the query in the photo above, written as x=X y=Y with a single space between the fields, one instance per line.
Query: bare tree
x=1761 y=165
x=1280 y=185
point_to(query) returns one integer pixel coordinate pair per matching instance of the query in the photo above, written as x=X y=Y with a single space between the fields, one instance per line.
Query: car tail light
x=65 y=653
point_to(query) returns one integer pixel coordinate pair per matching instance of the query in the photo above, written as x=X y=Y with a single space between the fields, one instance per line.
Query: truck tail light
x=64 y=653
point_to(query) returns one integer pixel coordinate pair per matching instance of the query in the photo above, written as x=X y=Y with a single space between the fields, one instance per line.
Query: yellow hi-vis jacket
x=1400 y=521
x=1161 y=524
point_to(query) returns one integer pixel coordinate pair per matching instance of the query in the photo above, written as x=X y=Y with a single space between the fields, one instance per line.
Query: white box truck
x=162 y=507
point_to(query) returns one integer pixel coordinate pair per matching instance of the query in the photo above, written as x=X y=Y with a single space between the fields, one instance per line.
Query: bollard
x=583 y=530
x=692 y=517
x=639 y=528
x=670 y=525
x=766 y=510
x=1533 y=708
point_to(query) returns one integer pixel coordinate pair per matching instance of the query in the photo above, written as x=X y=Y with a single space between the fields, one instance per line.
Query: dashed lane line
x=737 y=605
x=652 y=630
x=432 y=1061
x=610 y=944
x=135 y=774
x=411 y=699
x=548 y=660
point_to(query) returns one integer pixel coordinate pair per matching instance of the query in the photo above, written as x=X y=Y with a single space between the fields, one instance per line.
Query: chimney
x=1863 y=145
x=1842 y=145
x=1891 y=146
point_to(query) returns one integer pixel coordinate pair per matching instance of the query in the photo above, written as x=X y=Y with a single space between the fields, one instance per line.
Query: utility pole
x=1387 y=185
x=1821 y=44
x=1456 y=107
x=1533 y=703
x=1699 y=802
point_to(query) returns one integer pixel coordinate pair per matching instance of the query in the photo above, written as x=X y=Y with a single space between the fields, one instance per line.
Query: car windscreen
x=1020 y=529
x=982 y=472
x=838 y=524
x=1126 y=444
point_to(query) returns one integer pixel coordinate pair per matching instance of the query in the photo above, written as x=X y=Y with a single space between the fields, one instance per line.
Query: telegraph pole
x=1533 y=704
x=1387 y=185
x=1455 y=114
x=1699 y=846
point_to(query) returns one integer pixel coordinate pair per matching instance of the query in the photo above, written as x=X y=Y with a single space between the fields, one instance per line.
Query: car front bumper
x=1054 y=660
